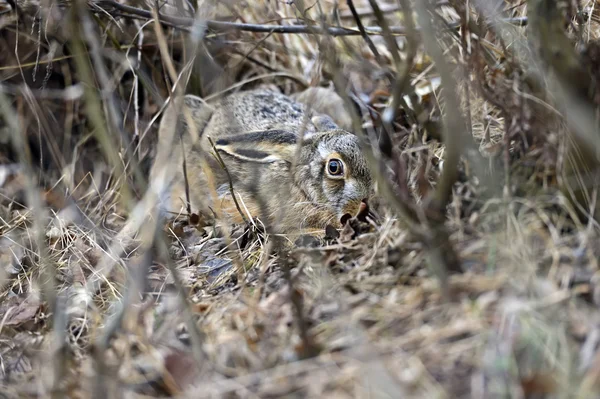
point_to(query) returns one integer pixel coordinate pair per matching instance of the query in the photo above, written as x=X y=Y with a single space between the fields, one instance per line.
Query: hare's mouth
x=351 y=208
x=358 y=209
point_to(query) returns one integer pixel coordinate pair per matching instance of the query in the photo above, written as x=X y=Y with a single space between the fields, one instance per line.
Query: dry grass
x=96 y=301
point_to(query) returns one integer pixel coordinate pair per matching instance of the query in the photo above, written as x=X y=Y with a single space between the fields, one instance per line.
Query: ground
x=499 y=299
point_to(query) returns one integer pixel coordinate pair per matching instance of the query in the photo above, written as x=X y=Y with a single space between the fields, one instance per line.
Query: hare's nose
x=351 y=207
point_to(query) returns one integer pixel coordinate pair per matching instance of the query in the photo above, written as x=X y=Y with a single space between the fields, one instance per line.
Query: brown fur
x=256 y=133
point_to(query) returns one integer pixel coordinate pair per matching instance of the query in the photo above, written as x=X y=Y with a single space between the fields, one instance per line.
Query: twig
x=192 y=124
x=179 y=101
x=453 y=120
x=223 y=26
x=403 y=76
x=186 y=182
x=222 y=164
x=465 y=38
x=47 y=277
x=367 y=11
x=113 y=114
x=387 y=33
x=92 y=101
x=70 y=93
x=363 y=33
x=160 y=243
x=60 y=353
x=33 y=197
x=442 y=256
x=247 y=54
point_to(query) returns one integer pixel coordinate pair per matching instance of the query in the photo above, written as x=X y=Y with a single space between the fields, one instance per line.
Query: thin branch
x=403 y=77
x=367 y=11
x=387 y=33
x=442 y=256
x=224 y=167
x=113 y=115
x=363 y=33
x=454 y=126
x=47 y=278
x=93 y=102
x=223 y=26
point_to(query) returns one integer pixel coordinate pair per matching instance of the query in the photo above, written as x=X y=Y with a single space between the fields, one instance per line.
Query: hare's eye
x=335 y=167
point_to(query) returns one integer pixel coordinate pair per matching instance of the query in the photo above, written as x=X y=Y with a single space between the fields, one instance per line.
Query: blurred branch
x=93 y=102
x=222 y=26
x=165 y=153
x=465 y=41
x=562 y=79
x=367 y=11
x=34 y=199
x=442 y=256
x=363 y=33
x=113 y=114
x=138 y=220
x=387 y=33
x=573 y=89
x=47 y=278
x=557 y=50
x=454 y=125
x=403 y=77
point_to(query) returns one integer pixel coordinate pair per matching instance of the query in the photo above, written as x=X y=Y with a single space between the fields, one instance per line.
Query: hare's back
x=259 y=110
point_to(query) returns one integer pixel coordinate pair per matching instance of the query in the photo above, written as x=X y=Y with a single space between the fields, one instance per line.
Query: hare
x=288 y=182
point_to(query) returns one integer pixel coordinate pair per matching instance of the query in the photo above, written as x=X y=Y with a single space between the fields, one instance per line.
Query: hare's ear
x=265 y=146
x=324 y=122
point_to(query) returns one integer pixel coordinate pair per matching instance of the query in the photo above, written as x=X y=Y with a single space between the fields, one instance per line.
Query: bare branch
x=223 y=26
x=454 y=125
x=363 y=33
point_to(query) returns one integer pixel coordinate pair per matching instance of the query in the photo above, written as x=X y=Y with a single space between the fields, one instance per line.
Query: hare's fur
x=256 y=134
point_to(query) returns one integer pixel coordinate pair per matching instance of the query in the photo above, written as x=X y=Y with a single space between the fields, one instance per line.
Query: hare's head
x=319 y=181
x=333 y=171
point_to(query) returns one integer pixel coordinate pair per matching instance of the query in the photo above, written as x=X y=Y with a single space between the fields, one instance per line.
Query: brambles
x=477 y=277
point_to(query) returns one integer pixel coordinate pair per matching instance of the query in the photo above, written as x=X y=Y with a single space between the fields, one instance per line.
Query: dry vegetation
x=479 y=278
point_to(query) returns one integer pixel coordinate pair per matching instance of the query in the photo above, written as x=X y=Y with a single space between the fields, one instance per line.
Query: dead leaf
x=181 y=368
x=22 y=312
x=331 y=232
